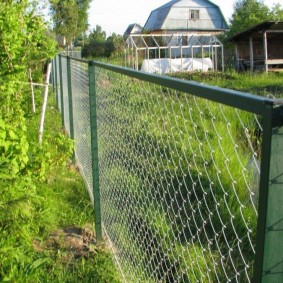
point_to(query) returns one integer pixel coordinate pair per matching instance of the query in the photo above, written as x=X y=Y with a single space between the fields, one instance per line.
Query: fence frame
x=61 y=90
x=70 y=97
x=270 y=228
x=269 y=249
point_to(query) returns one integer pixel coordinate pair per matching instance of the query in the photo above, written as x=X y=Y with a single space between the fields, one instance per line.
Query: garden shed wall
x=260 y=47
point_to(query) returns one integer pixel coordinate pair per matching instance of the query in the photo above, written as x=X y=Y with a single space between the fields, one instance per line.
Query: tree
x=24 y=43
x=69 y=17
x=248 y=13
x=277 y=12
x=100 y=46
x=118 y=42
x=97 y=34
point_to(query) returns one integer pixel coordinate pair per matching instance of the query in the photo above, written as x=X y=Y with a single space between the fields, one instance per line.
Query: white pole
x=192 y=58
x=265 y=51
x=181 y=54
x=213 y=56
x=41 y=125
x=159 y=60
x=32 y=92
x=202 y=56
x=148 y=59
x=170 y=52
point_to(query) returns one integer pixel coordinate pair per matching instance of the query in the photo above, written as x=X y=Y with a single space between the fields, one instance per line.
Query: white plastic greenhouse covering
x=167 y=65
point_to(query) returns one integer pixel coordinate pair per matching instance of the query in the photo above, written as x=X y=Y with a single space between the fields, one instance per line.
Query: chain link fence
x=183 y=172
x=82 y=137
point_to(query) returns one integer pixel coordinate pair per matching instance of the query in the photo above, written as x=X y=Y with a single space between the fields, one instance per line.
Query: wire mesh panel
x=65 y=94
x=81 y=116
x=179 y=182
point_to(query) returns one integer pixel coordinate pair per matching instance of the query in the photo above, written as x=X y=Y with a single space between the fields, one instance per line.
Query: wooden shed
x=260 y=47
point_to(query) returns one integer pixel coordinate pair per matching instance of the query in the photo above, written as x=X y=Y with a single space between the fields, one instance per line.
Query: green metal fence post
x=61 y=89
x=94 y=150
x=70 y=97
x=273 y=248
x=52 y=74
x=269 y=254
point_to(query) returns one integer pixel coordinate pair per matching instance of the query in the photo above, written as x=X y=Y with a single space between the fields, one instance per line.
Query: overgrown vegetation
x=39 y=195
x=96 y=45
x=25 y=44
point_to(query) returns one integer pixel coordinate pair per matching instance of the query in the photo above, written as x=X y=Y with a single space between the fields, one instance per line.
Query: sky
x=116 y=16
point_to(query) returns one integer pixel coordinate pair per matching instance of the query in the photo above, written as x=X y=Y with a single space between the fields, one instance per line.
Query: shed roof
x=257 y=30
x=174 y=15
x=132 y=29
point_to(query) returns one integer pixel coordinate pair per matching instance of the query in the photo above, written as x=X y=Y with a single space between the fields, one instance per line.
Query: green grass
x=256 y=83
x=32 y=211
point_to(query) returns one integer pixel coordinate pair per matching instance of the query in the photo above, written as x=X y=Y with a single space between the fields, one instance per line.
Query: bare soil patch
x=75 y=242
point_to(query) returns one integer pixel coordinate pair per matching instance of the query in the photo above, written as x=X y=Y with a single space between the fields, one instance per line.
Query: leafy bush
x=98 y=49
x=38 y=192
x=24 y=44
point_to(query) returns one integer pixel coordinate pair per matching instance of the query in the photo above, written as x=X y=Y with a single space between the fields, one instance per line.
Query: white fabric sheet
x=165 y=65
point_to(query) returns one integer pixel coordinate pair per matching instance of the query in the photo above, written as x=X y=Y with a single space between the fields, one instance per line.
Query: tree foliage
x=247 y=13
x=277 y=12
x=97 y=34
x=119 y=44
x=99 y=46
x=69 y=17
x=97 y=49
